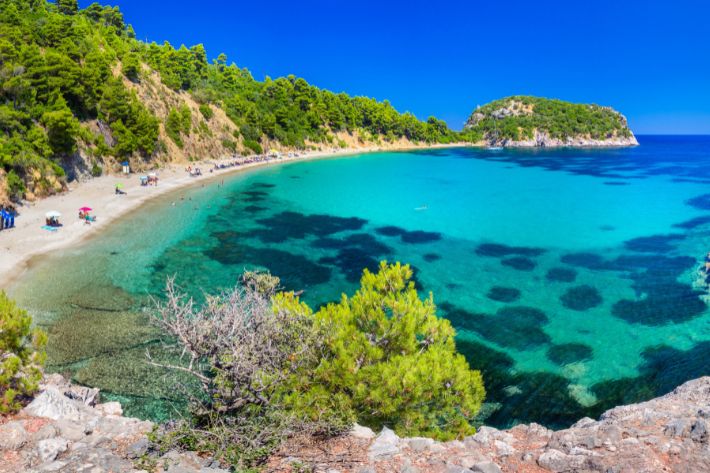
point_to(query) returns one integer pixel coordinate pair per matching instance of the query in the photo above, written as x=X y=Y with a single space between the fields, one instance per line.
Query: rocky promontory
x=529 y=122
x=65 y=429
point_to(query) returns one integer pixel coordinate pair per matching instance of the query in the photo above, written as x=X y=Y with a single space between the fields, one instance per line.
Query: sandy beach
x=28 y=240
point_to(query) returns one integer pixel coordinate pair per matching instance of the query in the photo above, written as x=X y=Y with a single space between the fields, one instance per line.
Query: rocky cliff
x=64 y=429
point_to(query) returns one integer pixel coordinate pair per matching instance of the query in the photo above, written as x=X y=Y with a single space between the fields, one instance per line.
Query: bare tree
x=239 y=348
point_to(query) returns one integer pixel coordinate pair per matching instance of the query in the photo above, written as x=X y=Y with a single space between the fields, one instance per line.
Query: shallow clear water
x=569 y=273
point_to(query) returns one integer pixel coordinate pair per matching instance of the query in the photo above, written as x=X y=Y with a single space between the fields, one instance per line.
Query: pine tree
x=390 y=361
x=68 y=7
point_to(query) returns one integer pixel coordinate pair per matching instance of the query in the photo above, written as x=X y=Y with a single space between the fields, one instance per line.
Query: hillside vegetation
x=79 y=93
x=521 y=120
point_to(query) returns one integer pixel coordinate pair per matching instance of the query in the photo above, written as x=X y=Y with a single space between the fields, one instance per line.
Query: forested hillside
x=79 y=93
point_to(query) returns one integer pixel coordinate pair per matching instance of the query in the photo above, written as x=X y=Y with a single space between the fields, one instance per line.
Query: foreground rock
x=668 y=434
x=65 y=430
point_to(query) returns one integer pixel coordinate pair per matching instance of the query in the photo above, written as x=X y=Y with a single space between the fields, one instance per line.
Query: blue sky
x=649 y=59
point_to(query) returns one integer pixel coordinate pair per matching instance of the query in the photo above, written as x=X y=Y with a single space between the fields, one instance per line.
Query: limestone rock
x=362 y=432
x=699 y=431
x=71 y=430
x=49 y=449
x=677 y=428
x=12 y=436
x=554 y=460
x=385 y=445
x=47 y=431
x=137 y=449
x=486 y=467
x=52 y=404
x=420 y=444
x=88 y=396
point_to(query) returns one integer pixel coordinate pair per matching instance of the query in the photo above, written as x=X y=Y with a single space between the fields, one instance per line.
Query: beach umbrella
x=119 y=186
x=152 y=174
x=53 y=214
x=85 y=209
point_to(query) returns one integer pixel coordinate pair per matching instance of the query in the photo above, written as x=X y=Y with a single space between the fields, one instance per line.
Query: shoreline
x=28 y=241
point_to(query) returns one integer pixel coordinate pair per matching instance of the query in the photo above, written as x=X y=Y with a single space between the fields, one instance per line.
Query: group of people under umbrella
x=52 y=217
x=149 y=180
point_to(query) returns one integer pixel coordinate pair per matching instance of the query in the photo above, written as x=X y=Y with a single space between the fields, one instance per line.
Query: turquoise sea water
x=569 y=274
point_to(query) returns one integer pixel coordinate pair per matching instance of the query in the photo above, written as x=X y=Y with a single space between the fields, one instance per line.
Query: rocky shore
x=544 y=140
x=65 y=429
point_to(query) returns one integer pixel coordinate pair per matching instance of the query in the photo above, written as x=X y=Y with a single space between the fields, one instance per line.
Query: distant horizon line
x=672 y=134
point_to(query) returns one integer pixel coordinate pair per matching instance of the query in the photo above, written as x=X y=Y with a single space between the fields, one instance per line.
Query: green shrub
x=96 y=170
x=185 y=119
x=57 y=169
x=132 y=67
x=253 y=146
x=21 y=355
x=204 y=129
x=230 y=145
x=15 y=185
x=179 y=123
x=62 y=130
x=206 y=111
x=250 y=132
x=173 y=127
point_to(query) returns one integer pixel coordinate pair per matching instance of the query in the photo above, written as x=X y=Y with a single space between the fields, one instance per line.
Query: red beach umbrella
x=85 y=209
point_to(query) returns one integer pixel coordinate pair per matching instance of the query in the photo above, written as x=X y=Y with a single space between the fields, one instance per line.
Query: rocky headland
x=66 y=429
x=535 y=122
